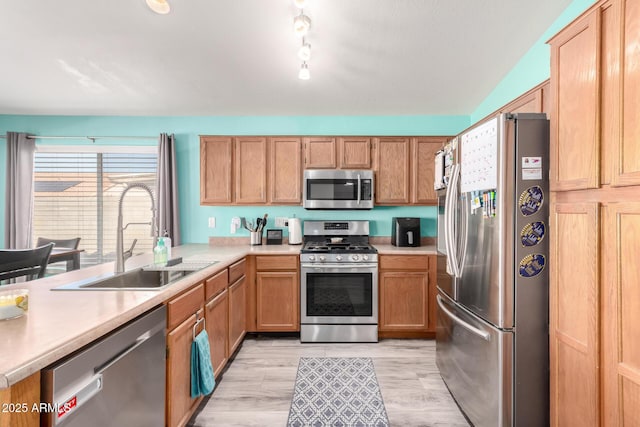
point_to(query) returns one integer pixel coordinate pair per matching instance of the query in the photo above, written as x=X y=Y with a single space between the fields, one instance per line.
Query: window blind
x=76 y=195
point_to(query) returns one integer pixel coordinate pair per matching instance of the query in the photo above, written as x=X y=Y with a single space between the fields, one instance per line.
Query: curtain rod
x=91 y=138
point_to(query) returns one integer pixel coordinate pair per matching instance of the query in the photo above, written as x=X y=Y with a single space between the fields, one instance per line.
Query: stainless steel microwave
x=337 y=189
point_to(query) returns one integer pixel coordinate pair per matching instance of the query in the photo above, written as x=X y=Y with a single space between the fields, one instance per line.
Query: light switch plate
x=212 y=222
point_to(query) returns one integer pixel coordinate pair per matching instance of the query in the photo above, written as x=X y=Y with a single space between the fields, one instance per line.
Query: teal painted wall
x=194 y=218
x=532 y=69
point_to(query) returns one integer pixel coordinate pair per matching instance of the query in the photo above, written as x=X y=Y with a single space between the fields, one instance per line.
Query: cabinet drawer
x=404 y=262
x=215 y=284
x=185 y=305
x=277 y=262
x=237 y=270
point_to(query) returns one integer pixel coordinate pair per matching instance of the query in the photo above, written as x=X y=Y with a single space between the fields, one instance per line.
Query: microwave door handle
x=359 y=190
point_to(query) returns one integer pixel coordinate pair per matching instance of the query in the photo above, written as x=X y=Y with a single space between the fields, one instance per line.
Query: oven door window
x=339 y=294
x=332 y=189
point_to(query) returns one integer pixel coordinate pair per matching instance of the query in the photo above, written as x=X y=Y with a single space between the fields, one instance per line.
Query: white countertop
x=60 y=322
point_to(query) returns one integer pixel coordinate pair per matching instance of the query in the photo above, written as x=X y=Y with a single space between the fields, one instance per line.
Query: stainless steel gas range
x=339 y=283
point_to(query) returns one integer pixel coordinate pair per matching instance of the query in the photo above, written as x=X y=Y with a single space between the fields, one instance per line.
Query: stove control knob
x=338 y=257
x=365 y=257
x=355 y=257
x=322 y=258
x=312 y=257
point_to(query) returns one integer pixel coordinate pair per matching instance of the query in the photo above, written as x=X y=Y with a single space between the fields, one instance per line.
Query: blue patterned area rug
x=337 y=392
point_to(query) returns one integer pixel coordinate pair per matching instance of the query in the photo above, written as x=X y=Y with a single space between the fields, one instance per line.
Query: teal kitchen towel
x=202 y=378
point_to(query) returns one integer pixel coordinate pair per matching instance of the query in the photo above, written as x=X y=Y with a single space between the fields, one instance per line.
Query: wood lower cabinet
x=278 y=301
x=275 y=294
x=216 y=314
x=392 y=174
x=25 y=392
x=407 y=296
x=180 y=405
x=237 y=313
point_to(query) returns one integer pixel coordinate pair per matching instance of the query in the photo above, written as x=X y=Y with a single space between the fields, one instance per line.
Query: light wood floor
x=257 y=386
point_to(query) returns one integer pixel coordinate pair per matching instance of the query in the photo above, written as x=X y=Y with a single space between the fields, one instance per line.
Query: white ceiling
x=238 y=57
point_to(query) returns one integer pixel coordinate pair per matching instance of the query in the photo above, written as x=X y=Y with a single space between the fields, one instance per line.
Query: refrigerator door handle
x=454 y=195
x=448 y=231
x=482 y=334
x=464 y=233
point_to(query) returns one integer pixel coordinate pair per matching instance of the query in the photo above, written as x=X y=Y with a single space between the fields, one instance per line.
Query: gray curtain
x=19 y=194
x=167 y=189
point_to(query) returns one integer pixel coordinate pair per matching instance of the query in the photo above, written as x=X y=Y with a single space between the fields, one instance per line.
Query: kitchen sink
x=141 y=279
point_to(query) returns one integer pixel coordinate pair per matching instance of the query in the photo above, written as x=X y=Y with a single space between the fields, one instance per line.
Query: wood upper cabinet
x=320 y=153
x=251 y=170
x=237 y=313
x=216 y=170
x=354 y=152
x=285 y=170
x=423 y=153
x=407 y=293
x=626 y=164
x=574 y=314
x=575 y=87
x=392 y=175
x=621 y=314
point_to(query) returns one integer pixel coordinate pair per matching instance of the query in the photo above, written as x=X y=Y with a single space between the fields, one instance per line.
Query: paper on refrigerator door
x=479 y=158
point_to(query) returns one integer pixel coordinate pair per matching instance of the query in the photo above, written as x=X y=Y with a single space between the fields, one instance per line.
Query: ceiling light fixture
x=301 y=24
x=304 y=53
x=304 y=74
x=300 y=3
x=159 y=6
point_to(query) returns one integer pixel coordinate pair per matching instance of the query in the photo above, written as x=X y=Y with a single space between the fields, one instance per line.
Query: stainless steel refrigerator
x=492 y=328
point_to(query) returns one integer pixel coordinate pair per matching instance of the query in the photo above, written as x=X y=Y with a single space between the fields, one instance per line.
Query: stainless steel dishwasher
x=117 y=381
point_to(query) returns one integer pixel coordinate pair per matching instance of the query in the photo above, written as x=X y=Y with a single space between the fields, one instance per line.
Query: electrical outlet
x=212 y=222
x=281 y=221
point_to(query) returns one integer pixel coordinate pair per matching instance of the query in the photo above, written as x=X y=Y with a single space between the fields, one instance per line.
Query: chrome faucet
x=121 y=254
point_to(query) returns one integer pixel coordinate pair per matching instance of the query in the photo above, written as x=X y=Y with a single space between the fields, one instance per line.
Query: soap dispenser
x=160 y=253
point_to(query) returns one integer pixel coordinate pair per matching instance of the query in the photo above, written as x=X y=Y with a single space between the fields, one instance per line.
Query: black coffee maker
x=405 y=232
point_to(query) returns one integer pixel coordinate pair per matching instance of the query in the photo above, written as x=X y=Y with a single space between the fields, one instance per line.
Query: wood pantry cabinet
x=250 y=170
x=407 y=292
x=595 y=221
x=276 y=293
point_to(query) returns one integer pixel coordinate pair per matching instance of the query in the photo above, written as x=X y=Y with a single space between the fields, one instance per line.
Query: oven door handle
x=338 y=266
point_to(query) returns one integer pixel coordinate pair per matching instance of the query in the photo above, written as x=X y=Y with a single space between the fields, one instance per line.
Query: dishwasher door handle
x=137 y=343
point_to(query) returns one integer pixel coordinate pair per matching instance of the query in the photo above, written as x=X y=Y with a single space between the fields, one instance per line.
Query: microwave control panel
x=366 y=189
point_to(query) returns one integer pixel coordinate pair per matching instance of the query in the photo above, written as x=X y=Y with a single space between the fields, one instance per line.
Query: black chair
x=30 y=263
x=59 y=243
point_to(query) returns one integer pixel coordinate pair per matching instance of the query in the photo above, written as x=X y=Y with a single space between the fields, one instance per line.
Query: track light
x=301 y=25
x=159 y=6
x=300 y=3
x=304 y=74
x=304 y=53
